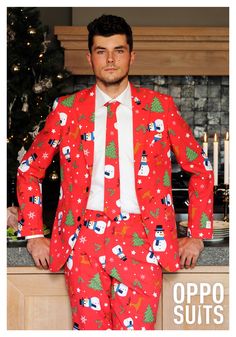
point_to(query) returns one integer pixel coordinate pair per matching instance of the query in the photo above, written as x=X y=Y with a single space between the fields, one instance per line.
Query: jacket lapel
x=86 y=107
x=140 y=121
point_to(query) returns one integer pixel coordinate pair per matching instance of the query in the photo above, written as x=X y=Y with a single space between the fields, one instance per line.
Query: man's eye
x=100 y=52
x=120 y=51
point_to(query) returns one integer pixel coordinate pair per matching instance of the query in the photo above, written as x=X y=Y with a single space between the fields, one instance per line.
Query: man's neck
x=113 y=90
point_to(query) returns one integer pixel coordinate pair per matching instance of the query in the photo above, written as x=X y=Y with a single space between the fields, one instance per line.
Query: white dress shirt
x=124 y=115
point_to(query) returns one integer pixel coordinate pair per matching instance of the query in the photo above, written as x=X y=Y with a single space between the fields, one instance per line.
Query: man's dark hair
x=108 y=25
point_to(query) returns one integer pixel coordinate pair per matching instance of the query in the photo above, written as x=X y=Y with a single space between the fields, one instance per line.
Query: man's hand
x=39 y=249
x=12 y=214
x=189 y=251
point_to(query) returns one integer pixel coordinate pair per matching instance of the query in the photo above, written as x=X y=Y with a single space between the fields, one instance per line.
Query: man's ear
x=88 y=56
x=132 y=58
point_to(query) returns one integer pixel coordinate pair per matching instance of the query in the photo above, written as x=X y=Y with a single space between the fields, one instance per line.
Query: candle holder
x=225 y=194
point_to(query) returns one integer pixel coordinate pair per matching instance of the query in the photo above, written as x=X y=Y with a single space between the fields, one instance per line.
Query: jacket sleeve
x=31 y=172
x=192 y=158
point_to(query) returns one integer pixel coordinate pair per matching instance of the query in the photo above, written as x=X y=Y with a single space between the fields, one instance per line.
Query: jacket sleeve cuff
x=198 y=233
x=34 y=236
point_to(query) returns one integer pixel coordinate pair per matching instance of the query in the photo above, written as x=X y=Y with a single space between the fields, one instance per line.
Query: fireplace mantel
x=159 y=50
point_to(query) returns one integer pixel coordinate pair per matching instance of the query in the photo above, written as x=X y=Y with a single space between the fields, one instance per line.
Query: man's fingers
x=37 y=262
x=182 y=261
x=39 y=249
x=194 y=261
x=44 y=263
x=188 y=262
x=41 y=262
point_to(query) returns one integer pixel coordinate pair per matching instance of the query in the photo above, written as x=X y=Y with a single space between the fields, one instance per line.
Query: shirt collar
x=102 y=98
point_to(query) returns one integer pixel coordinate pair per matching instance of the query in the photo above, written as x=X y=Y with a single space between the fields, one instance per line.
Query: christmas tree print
x=40 y=144
x=109 y=111
x=156 y=105
x=22 y=206
x=74 y=164
x=95 y=282
x=97 y=247
x=111 y=150
x=148 y=315
x=147 y=108
x=196 y=194
x=81 y=117
x=68 y=101
x=137 y=283
x=171 y=132
x=80 y=279
x=99 y=323
x=191 y=155
x=114 y=273
x=166 y=179
x=147 y=231
x=204 y=220
x=137 y=241
x=70 y=219
x=92 y=118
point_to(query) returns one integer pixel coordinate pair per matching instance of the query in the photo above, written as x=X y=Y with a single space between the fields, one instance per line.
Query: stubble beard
x=113 y=81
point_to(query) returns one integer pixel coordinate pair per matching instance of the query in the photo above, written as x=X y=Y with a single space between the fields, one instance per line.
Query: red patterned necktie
x=111 y=172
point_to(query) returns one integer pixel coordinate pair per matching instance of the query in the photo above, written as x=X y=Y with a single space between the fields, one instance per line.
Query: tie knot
x=112 y=106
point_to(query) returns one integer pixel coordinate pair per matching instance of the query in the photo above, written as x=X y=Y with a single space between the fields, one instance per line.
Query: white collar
x=124 y=98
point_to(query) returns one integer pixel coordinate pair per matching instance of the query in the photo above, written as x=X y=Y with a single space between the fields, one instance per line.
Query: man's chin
x=112 y=81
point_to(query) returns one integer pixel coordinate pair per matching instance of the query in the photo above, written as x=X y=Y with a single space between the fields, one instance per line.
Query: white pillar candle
x=205 y=144
x=226 y=159
x=215 y=159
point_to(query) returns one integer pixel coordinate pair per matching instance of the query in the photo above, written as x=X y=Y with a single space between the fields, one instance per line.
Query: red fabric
x=112 y=181
x=113 y=278
x=157 y=129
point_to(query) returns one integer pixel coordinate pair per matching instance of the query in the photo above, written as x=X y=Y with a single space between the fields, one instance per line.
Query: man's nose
x=110 y=57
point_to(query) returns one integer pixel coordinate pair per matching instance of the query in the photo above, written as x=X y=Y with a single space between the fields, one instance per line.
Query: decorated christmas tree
x=191 y=155
x=137 y=241
x=111 y=150
x=166 y=179
x=95 y=282
x=156 y=105
x=114 y=273
x=148 y=315
x=70 y=219
x=35 y=77
x=204 y=220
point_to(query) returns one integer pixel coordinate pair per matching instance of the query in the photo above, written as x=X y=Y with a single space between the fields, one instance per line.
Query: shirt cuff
x=34 y=236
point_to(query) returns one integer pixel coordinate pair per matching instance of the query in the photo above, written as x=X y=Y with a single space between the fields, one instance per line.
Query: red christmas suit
x=158 y=129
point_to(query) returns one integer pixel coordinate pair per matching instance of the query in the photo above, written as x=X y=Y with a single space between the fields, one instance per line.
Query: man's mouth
x=110 y=69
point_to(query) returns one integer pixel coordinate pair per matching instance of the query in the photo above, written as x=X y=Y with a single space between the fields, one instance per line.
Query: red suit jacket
x=158 y=129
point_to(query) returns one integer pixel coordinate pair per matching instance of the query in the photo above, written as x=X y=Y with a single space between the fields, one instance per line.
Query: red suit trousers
x=113 y=278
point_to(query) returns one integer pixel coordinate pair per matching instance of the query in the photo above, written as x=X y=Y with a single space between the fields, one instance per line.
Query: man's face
x=110 y=59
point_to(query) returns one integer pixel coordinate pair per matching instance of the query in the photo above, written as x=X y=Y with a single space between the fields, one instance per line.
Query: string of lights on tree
x=35 y=77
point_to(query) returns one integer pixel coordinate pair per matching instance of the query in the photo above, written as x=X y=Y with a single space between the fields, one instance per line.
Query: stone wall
x=202 y=100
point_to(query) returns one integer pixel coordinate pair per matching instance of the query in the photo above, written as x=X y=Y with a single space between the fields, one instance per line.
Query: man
x=114 y=229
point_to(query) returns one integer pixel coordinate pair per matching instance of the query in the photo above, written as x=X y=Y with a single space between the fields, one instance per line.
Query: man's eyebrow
x=99 y=47
x=117 y=47
x=120 y=47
